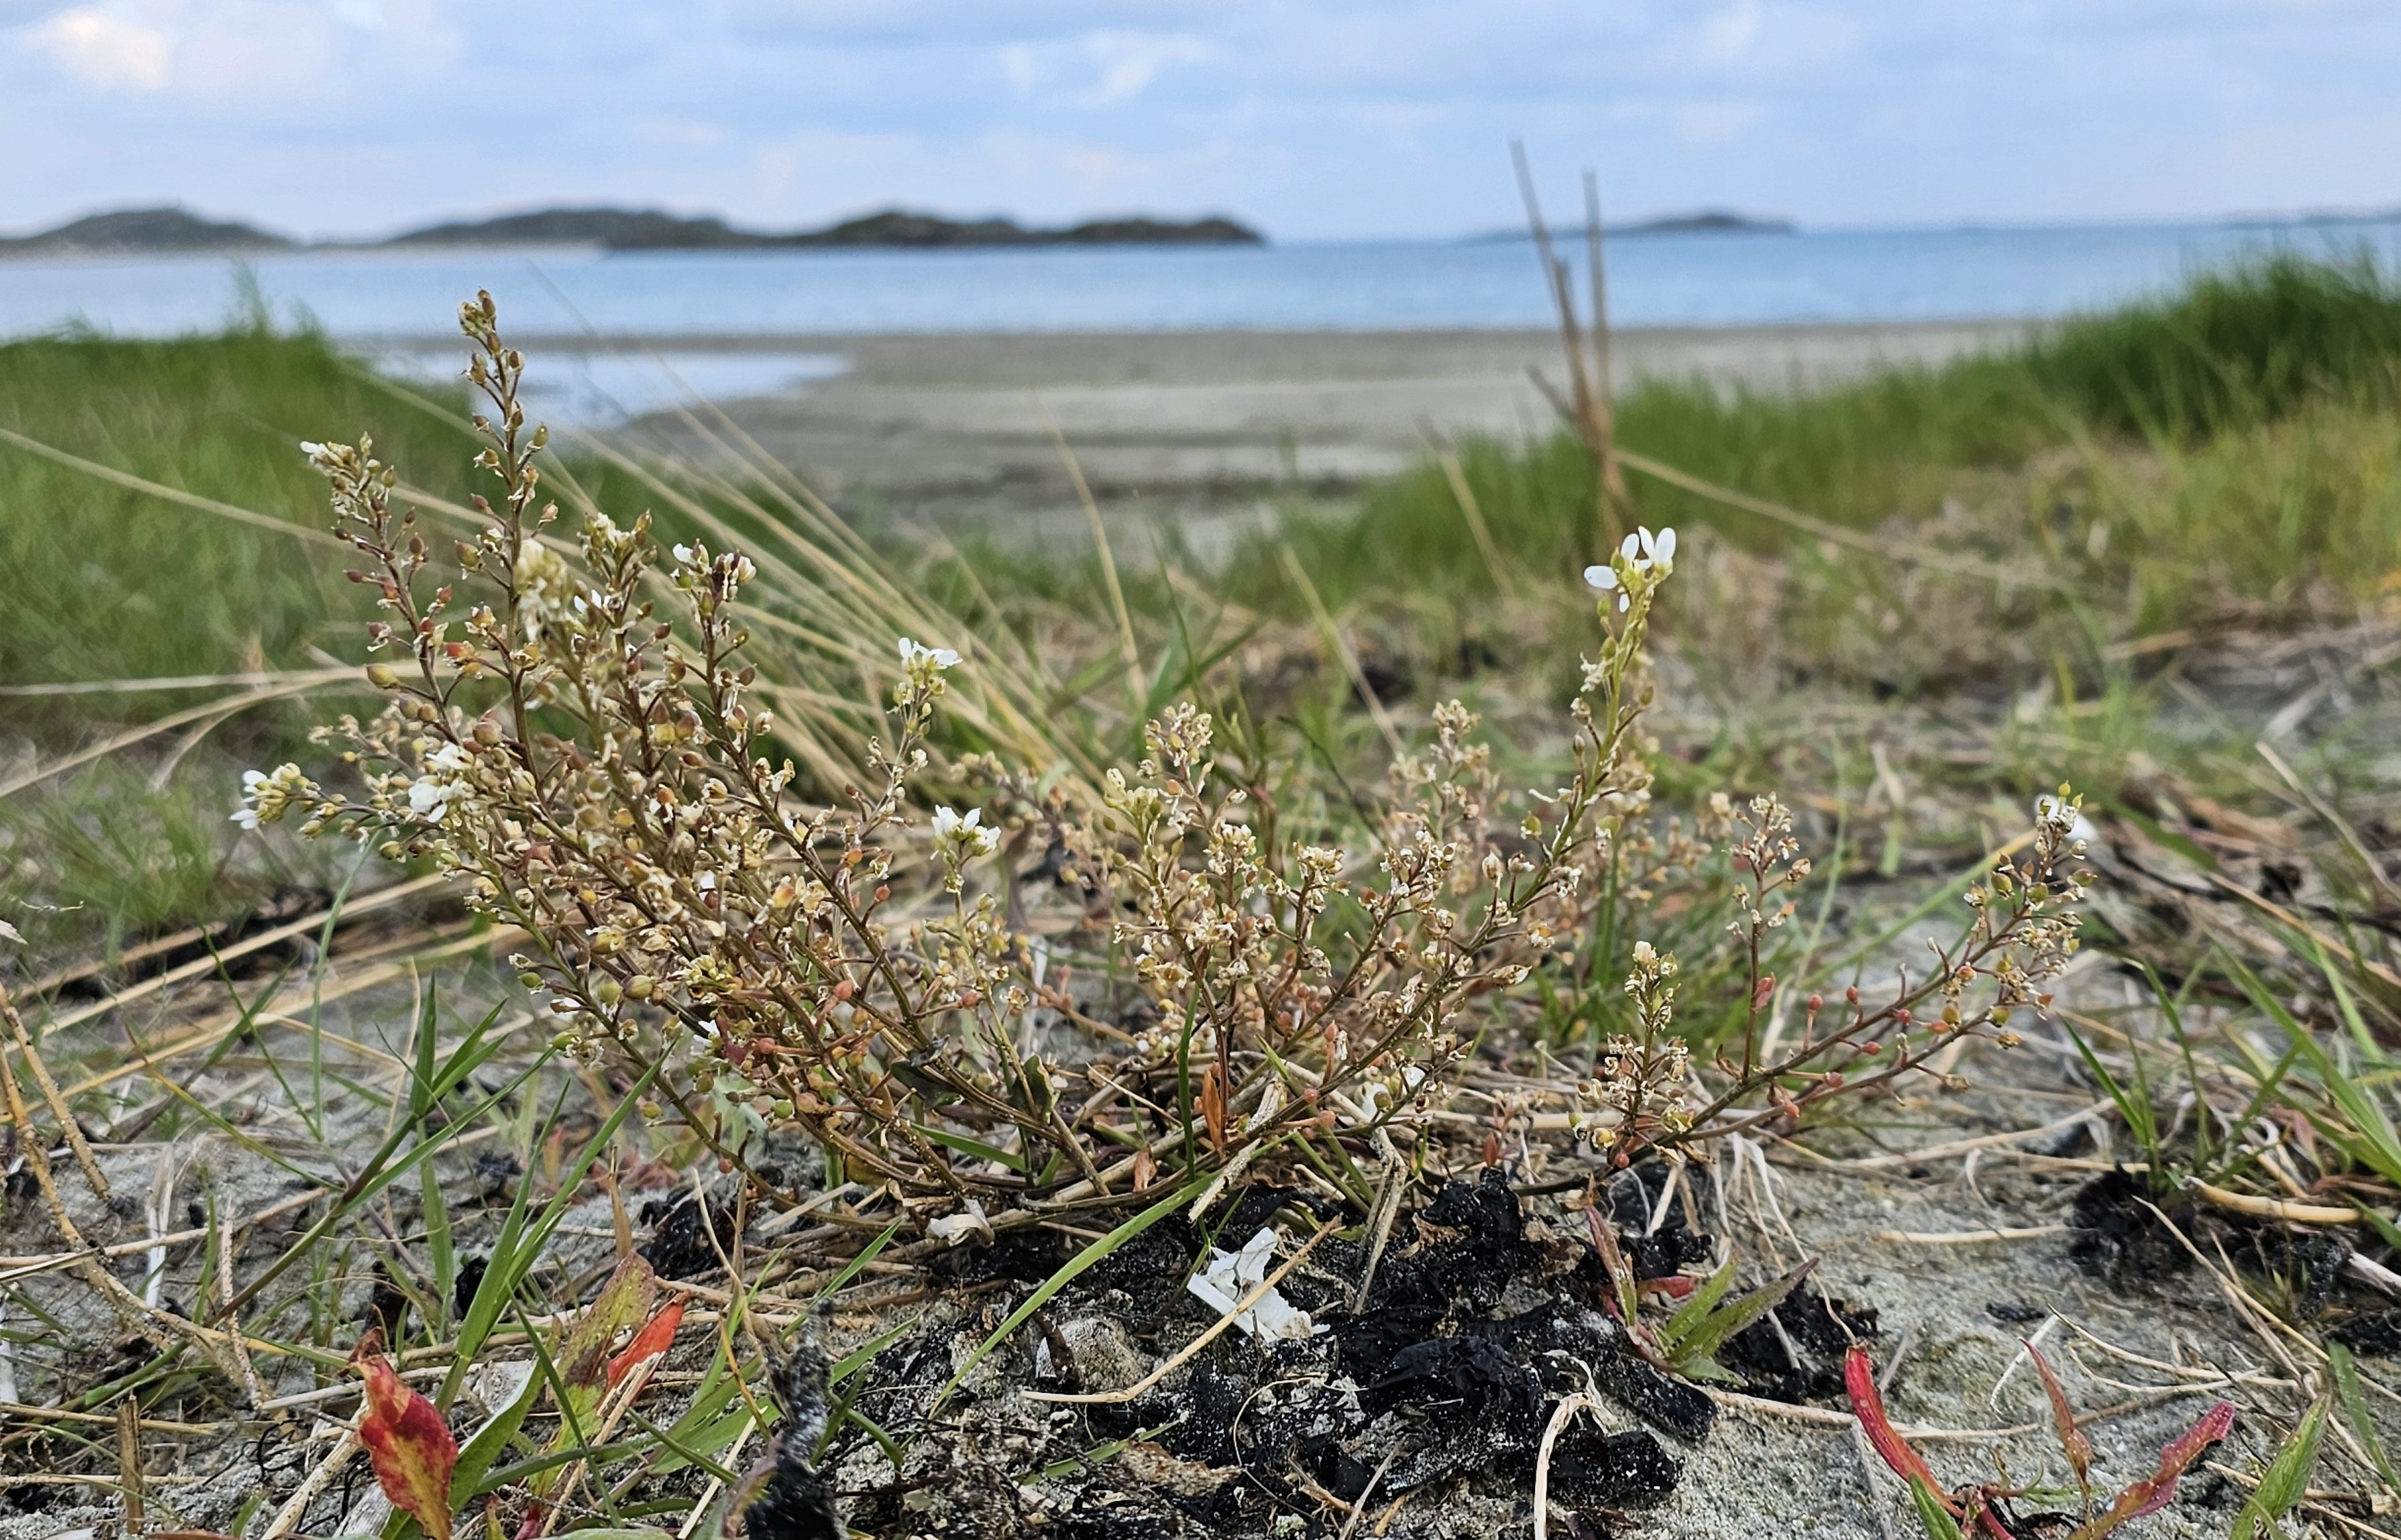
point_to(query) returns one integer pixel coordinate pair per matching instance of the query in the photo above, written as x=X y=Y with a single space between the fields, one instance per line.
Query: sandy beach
x=953 y=430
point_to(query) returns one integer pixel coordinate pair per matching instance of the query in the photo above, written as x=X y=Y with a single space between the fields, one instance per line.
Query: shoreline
x=954 y=430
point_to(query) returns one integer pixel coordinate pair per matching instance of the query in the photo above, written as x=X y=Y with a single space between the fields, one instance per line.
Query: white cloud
x=1731 y=32
x=1330 y=118
x=1126 y=63
x=678 y=133
x=1710 y=123
x=1109 y=66
x=106 y=50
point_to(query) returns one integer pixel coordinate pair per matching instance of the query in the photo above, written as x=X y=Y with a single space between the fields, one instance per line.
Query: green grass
x=107 y=582
x=2256 y=404
x=2231 y=450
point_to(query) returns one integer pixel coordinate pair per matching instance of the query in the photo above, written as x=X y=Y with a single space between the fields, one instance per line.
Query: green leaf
x=2285 y=1480
x=1702 y=1339
x=2355 y=1412
x=1937 y=1519
x=490 y=1440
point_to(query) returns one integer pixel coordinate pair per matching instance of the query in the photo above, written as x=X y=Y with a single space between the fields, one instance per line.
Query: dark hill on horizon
x=651 y=230
x=178 y=230
x=1722 y=222
x=131 y=230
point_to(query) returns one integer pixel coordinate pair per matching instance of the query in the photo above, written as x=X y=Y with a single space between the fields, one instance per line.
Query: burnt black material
x=1617 y=1470
x=2377 y=1334
x=470 y=1278
x=680 y=1246
x=1472 y=1378
x=2118 y=1239
x=797 y=1502
x=1803 y=1362
x=1658 y=1400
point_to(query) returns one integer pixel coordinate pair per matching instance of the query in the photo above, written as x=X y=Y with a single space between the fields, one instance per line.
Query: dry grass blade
x=220 y=708
x=201 y=967
x=173 y=495
x=1340 y=648
x=1127 y=649
x=1904 y=550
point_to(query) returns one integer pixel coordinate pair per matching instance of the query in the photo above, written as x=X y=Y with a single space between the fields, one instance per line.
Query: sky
x=1311 y=119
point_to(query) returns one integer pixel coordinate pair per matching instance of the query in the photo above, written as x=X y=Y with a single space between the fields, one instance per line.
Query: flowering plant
x=579 y=745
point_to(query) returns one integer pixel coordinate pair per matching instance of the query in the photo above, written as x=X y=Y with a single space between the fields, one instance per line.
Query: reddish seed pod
x=1871 y=1047
x=1903 y=1016
x=844 y=989
x=1852 y=994
x=1817 y=1003
x=882 y=892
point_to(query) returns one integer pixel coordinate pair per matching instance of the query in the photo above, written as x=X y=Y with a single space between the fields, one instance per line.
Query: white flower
x=430 y=794
x=267 y=795
x=430 y=797
x=1232 y=1274
x=913 y=655
x=964 y=837
x=544 y=585
x=683 y=555
x=1605 y=579
x=1641 y=552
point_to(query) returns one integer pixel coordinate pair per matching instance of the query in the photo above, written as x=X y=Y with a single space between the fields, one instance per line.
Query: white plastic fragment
x=1232 y=1274
x=957 y=1229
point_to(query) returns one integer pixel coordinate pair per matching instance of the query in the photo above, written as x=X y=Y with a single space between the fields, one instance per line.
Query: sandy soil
x=956 y=429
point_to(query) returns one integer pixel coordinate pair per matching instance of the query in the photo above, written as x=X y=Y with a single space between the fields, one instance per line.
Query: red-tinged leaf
x=2158 y=1489
x=2071 y=1438
x=582 y=1350
x=1867 y=1405
x=408 y=1444
x=656 y=1336
x=1981 y=1516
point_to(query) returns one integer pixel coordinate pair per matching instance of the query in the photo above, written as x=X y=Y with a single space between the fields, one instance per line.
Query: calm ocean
x=1654 y=280
x=703 y=301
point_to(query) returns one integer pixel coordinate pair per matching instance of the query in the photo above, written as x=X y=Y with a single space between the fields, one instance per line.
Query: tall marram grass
x=2262 y=395
x=102 y=582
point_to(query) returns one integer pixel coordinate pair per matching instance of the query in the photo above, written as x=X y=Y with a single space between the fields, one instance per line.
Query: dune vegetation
x=695 y=1018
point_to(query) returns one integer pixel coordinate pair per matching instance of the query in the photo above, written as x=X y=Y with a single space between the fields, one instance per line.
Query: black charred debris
x=2122 y=1234
x=1476 y=1324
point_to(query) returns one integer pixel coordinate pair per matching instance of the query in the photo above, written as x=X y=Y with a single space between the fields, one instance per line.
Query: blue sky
x=1323 y=120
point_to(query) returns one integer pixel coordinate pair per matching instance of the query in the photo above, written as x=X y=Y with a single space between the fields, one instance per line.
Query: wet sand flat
x=954 y=430
x=922 y=415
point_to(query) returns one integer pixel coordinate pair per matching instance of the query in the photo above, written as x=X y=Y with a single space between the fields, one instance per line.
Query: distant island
x=136 y=231
x=1703 y=221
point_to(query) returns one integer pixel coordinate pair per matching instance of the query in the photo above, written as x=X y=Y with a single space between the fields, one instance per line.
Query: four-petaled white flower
x=247 y=814
x=1642 y=551
x=430 y=794
x=267 y=795
x=964 y=835
x=913 y=654
x=683 y=555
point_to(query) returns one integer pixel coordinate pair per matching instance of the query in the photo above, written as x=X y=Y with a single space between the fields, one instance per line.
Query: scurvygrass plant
x=572 y=732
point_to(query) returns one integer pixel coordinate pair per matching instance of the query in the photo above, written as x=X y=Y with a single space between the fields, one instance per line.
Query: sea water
x=718 y=320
